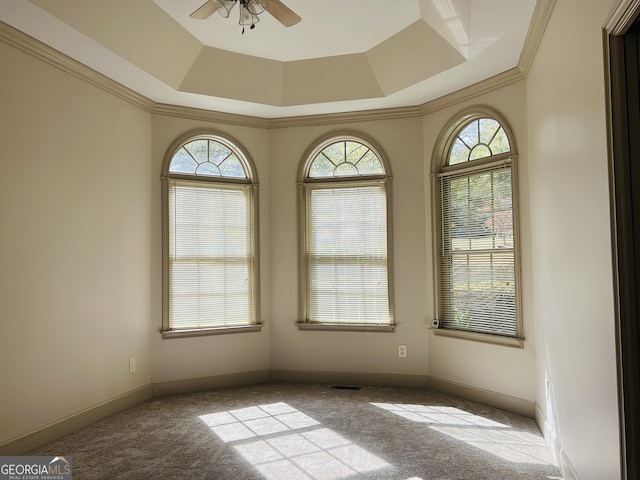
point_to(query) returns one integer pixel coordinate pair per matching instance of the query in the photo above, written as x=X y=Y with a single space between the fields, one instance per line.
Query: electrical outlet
x=132 y=365
x=402 y=351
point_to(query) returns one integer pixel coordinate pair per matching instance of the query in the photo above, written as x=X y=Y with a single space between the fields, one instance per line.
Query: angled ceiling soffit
x=411 y=56
x=438 y=42
x=221 y=73
x=165 y=51
x=329 y=79
x=415 y=54
x=15 y=38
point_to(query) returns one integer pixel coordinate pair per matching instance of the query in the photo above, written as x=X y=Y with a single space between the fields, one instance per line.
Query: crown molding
x=28 y=44
x=483 y=87
x=346 y=117
x=21 y=41
x=480 y=88
x=539 y=21
x=622 y=16
x=210 y=116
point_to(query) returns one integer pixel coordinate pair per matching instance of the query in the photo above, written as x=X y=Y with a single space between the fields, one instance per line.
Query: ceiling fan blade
x=206 y=10
x=282 y=13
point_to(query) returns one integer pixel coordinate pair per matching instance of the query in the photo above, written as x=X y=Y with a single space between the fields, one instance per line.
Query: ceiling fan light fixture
x=256 y=7
x=249 y=11
x=246 y=17
x=225 y=6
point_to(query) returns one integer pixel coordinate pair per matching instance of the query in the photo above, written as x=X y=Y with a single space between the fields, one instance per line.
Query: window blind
x=210 y=255
x=478 y=261
x=346 y=255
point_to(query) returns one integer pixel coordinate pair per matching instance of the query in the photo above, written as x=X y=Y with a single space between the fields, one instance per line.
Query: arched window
x=209 y=196
x=474 y=179
x=345 y=191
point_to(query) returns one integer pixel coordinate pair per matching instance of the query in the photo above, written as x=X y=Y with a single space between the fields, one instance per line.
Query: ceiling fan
x=249 y=11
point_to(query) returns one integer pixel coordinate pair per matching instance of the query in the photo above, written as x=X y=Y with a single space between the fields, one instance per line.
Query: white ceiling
x=328 y=27
x=479 y=38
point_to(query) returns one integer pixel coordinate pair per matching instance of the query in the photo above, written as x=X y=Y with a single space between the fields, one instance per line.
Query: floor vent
x=345 y=387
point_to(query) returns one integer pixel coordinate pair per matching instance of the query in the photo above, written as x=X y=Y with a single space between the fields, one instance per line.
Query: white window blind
x=211 y=263
x=477 y=254
x=346 y=254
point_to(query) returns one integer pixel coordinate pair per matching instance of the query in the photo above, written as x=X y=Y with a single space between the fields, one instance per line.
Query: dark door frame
x=622 y=74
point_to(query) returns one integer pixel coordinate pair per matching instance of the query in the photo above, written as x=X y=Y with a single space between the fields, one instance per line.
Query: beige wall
x=292 y=349
x=81 y=250
x=571 y=241
x=505 y=370
x=75 y=203
x=208 y=356
x=407 y=144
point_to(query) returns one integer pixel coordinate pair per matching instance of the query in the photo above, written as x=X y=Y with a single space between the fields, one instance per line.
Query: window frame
x=306 y=182
x=440 y=166
x=251 y=181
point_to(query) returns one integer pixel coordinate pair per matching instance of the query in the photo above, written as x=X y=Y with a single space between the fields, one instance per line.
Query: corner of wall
x=32 y=440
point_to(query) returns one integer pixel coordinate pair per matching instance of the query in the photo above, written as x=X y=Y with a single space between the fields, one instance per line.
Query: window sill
x=199 y=332
x=346 y=327
x=480 y=337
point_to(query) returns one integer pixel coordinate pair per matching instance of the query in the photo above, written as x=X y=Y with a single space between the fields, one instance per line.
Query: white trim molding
x=214 y=382
x=27 y=44
x=21 y=41
x=26 y=443
x=349 y=378
x=541 y=16
x=58 y=429
x=503 y=401
x=472 y=91
x=209 y=116
x=622 y=16
x=567 y=469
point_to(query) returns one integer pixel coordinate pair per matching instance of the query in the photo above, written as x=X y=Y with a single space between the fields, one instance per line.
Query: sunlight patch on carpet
x=488 y=435
x=245 y=423
x=438 y=415
x=283 y=443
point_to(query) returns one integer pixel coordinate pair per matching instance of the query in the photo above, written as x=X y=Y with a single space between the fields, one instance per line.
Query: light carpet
x=279 y=431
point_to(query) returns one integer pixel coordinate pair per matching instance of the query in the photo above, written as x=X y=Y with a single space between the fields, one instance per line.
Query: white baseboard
x=348 y=378
x=486 y=397
x=553 y=442
x=549 y=434
x=541 y=420
x=49 y=433
x=509 y=403
x=214 y=382
x=30 y=441
x=568 y=472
